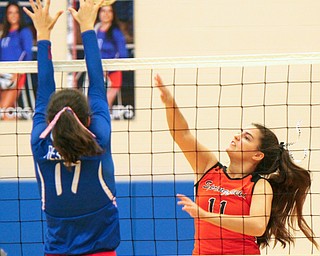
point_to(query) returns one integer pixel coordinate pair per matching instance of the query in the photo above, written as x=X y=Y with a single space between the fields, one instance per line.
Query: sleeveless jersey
x=217 y=192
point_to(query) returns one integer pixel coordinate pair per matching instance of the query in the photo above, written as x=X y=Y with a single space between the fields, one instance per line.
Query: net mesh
x=218 y=96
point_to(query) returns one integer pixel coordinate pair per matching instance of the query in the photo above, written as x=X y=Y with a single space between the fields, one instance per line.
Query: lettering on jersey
x=100 y=42
x=52 y=154
x=5 y=42
x=225 y=192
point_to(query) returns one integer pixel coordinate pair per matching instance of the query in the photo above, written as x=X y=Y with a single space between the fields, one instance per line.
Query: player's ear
x=258 y=156
x=89 y=121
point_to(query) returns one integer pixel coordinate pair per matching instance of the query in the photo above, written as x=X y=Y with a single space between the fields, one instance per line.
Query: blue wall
x=151 y=221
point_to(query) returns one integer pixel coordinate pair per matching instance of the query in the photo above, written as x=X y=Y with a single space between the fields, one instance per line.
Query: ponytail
x=291 y=194
x=290 y=183
x=75 y=141
x=68 y=114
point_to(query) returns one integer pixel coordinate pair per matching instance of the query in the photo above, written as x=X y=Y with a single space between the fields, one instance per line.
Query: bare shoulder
x=263 y=186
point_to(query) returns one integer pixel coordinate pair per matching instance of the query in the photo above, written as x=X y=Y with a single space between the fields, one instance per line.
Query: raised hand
x=166 y=96
x=87 y=14
x=41 y=18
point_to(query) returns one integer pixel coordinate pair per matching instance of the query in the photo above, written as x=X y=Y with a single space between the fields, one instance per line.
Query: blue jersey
x=81 y=212
x=17 y=45
x=114 y=47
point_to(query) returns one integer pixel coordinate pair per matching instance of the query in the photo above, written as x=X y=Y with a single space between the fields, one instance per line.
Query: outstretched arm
x=43 y=24
x=100 y=119
x=199 y=157
x=85 y=17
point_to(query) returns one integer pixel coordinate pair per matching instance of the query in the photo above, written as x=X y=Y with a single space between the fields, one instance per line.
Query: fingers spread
x=33 y=6
x=30 y=14
x=47 y=6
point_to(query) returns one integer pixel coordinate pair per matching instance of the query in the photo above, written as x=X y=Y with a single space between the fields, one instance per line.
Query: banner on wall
x=24 y=98
x=122 y=106
x=119 y=85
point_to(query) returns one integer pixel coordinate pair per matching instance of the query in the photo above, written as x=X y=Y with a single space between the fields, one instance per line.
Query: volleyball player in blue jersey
x=71 y=147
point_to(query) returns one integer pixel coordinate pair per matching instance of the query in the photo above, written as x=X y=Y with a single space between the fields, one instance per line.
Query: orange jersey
x=217 y=192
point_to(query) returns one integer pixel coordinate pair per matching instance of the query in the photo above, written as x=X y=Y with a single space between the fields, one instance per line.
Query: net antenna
x=289 y=144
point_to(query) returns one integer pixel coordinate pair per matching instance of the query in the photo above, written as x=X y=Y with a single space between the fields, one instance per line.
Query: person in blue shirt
x=112 y=44
x=124 y=10
x=15 y=45
x=70 y=141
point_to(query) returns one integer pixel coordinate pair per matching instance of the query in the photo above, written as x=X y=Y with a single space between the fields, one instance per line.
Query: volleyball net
x=218 y=95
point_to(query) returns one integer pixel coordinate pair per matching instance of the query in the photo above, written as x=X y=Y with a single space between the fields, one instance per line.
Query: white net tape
x=173 y=62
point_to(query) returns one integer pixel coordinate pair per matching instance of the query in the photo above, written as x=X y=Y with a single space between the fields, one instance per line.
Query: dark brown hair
x=114 y=23
x=290 y=184
x=7 y=25
x=70 y=139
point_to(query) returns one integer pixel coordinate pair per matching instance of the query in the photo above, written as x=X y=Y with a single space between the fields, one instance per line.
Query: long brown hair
x=7 y=25
x=70 y=139
x=114 y=23
x=290 y=184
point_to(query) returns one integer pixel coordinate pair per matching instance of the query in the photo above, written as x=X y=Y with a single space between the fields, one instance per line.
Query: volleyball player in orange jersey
x=240 y=207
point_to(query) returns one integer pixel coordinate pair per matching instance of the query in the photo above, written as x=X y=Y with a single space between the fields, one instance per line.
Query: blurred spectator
x=112 y=45
x=15 y=45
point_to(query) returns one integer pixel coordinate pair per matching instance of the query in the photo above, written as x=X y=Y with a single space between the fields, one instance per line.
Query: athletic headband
x=55 y=120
